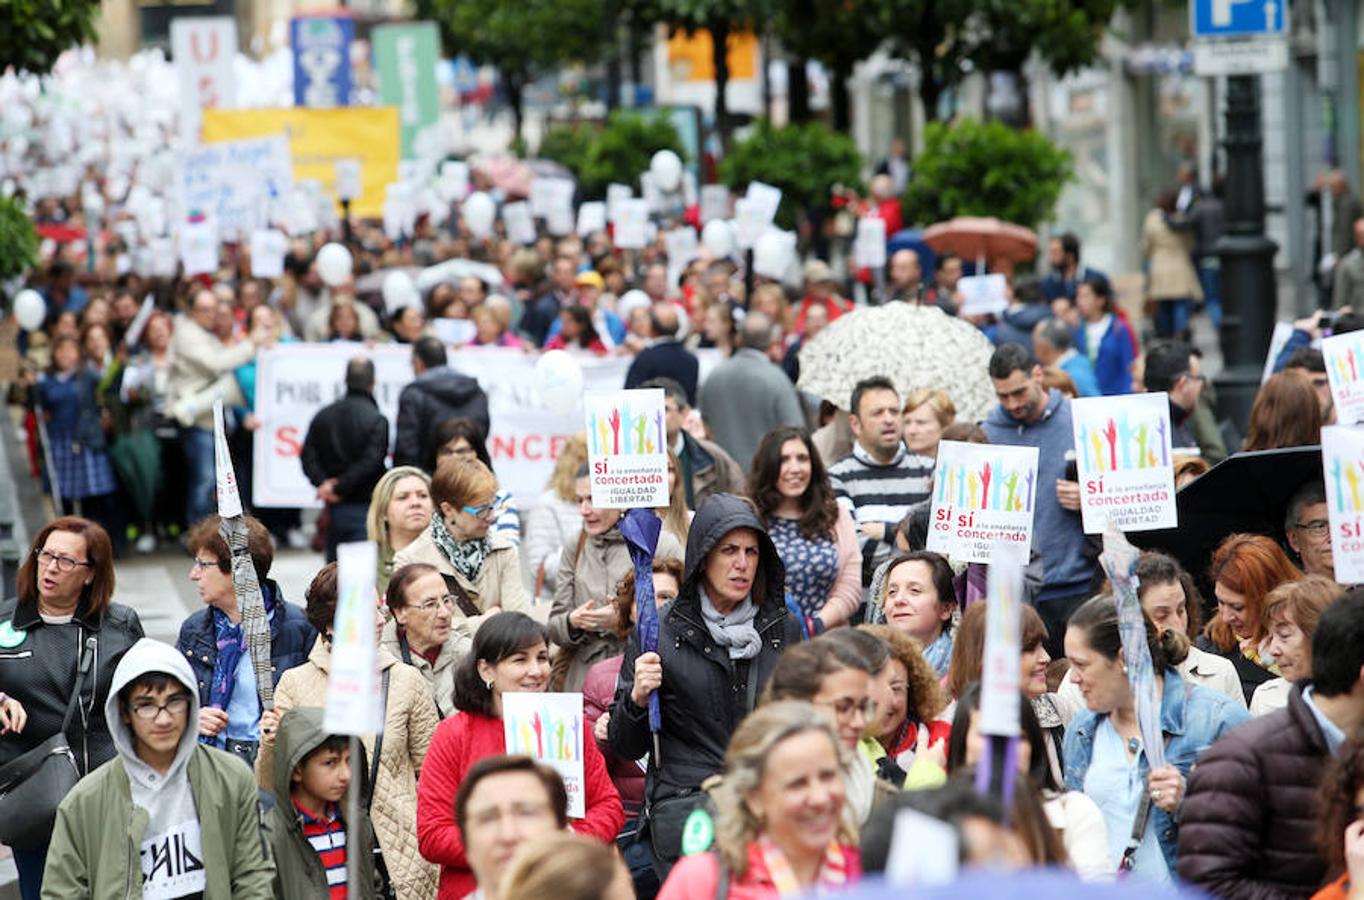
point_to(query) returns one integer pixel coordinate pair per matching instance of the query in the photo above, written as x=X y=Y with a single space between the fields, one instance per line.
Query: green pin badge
x=10 y=636
x=698 y=833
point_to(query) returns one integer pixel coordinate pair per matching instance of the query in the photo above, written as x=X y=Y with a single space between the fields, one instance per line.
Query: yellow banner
x=320 y=137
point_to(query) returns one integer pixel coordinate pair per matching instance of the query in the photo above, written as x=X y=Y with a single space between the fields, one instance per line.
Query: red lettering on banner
x=529 y=447
x=286 y=442
x=503 y=447
x=199 y=55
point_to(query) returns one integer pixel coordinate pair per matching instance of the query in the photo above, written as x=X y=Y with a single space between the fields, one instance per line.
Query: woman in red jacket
x=510 y=654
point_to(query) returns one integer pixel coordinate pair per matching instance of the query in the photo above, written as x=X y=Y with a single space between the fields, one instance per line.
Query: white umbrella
x=452 y=270
x=914 y=346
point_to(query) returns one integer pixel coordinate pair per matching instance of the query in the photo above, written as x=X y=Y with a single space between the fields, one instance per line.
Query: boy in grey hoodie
x=167 y=817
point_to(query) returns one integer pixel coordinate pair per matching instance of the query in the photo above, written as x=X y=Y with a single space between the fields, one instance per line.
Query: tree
x=973 y=168
x=18 y=240
x=522 y=40
x=721 y=18
x=839 y=35
x=805 y=161
x=617 y=152
x=33 y=33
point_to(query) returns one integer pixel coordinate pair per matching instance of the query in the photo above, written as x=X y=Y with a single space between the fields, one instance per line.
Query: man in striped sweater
x=881 y=479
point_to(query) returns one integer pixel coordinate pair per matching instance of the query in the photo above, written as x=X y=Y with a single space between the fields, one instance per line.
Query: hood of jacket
x=143 y=657
x=1026 y=316
x=447 y=386
x=718 y=515
x=1001 y=419
x=300 y=732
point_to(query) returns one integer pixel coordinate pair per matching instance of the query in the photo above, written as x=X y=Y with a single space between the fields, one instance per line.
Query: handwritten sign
x=520 y=224
x=983 y=295
x=627 y=449
x=714 y=202
x=869 y=249
x=982 y=494
x=235 y=181
x=1342 y=461
x=550 y=729
x=1126 y=471
x=632 y=220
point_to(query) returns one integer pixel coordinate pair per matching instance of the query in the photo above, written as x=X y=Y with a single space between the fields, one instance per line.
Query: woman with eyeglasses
x=65 y=589
x=463 y=440
x=419 y=630
x=395 y=756
x=482 y=570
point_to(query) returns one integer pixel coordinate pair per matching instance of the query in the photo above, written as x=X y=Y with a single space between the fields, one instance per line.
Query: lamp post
x=1249 y=292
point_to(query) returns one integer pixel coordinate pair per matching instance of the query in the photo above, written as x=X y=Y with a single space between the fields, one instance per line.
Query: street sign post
x=1239 y=37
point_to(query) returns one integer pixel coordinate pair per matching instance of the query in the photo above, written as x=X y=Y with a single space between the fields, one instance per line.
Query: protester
x=190 y=810
x=1244 y=569
x=577 y=333
x=63 y=604
x=570 y=868
x=1174 y=368
x=510 y=654
x=707 y=468
x=552 y=522
x=1342 y=826
x=583 y=621
x=912 y=724
x=779 y=820
x=311 y=838
x=666 y=357
x=436 y=393
x=461 y=439
x=1074 y=815
x=814 y=535
x=1251 y=812
x=975 y=820
x=747 y=396
x=1285 y=414
x=399 y=511
x=143 y=392
x=483 y=572
x=1053 y=344
x=1030 y=416
x=396 y=755
x=503 y=803
x=1171 y=281
x=1103 y=750
x=1291 y=613
x=419 y=631
x=344 y=455
x=821 y=290
x=1307 y=527
x=880 y=480
x=927 y=412
x=721 y=637
x=1103 y=337
x=917 y=598
x=1065 y=273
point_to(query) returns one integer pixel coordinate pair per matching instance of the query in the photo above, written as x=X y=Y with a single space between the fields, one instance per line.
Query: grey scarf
x=735 y=631
x=466 y=556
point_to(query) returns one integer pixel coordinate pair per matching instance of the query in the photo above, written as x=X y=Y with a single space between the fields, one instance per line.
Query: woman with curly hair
x=912 y=724
x=1342 y=822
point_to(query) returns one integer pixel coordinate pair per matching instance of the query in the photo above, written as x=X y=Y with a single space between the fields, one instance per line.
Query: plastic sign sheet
x=1342 y=462
x=627 y=449
x=353 y=685
x=1123 y=456
x=1344 y=354
x=982 y=494
x=550 y=729
x=1000 y=674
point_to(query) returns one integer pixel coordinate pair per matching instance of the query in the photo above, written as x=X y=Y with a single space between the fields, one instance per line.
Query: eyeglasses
x=199 y=565
x=177 y=706
x=430 y=606
x=847 y=707
x=479 y=512
x=1316 y=528
x=466 y=451
x=63 y=563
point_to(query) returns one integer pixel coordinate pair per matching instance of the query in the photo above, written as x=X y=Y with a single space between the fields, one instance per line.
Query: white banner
x=203 y=48
x=294 y=381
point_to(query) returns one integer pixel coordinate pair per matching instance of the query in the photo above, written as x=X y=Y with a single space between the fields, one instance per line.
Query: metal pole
x=354 y=847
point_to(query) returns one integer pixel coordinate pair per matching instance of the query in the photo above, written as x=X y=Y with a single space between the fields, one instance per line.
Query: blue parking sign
x=1238 y=18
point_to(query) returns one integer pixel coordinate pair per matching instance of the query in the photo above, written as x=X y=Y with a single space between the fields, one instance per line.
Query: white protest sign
x=520 y=224
x=924 y=851
x=353 y=704
x=591 y=217
x=199 y=247
x=204 y=48
x=225 y=477
x=559 y=218
x=681 y=244
x=268 y=248
x=983 y=295
x=139 y=323
x=627 y=449
x=549 y=728
x=1344 y=355
x=454 y=181
x=616 y=194
x=869 y=249
x=982 y=494
x=454 y=332
x=1342 y=462
x=749 y=223
x=1000 y=675
x=1122 y=453
x=714 y=202
x=349 y=183
x=235 y=181
x=632 y=222
x=1277 y=341
x=767 y=198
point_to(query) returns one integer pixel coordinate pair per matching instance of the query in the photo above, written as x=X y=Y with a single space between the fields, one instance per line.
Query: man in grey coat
x=748 y=395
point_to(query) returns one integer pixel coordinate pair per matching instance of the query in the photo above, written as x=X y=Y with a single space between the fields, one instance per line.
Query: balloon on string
x=29 y=309
x=558 y=380
x=718 y=237
x=666 y=169
x=478 y=212
x=399 y=291
x=334 y=264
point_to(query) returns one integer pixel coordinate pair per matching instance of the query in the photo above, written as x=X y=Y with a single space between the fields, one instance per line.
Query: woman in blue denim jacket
x=1103 y=751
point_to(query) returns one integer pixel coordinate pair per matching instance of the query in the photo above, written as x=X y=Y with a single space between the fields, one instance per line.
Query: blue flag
x=640 y=528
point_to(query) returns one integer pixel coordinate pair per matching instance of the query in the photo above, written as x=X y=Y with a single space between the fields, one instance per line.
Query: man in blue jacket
x=1029 y=415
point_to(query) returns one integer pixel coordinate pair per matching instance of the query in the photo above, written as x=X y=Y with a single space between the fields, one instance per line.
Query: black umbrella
x=1244 y=493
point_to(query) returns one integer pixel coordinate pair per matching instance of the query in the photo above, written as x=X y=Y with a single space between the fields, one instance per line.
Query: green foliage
x=617 y=152
x=18 y=240
x=805 y=161
x=521 y=40
x=973 y=168
x=33 y=33
x=566 y=144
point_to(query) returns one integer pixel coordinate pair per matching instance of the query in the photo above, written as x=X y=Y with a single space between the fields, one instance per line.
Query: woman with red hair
x=1245 y=568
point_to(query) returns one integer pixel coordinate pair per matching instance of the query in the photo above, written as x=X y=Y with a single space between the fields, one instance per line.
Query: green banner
x=405 y=57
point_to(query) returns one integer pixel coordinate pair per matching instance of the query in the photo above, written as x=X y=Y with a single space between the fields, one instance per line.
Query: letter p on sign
x=1221 y=11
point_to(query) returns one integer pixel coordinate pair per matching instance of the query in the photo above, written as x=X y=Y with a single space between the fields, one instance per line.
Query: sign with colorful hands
x=627 y=449
x=1123 y=456
x=549 y=728
x=982 y=493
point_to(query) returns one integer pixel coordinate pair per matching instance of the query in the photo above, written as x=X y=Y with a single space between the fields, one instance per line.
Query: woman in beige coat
x=482 y=572
x=409 y=722
x=583 y=622
x=1171 y=279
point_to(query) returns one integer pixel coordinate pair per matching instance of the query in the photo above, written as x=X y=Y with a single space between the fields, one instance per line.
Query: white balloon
x=771 y=256
x=630 y=301
x=399 y=291
x=559 y=380
x=666 y=167
x=29 y=309
x=478 y=211
x=718 y=237
x=334 y=264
